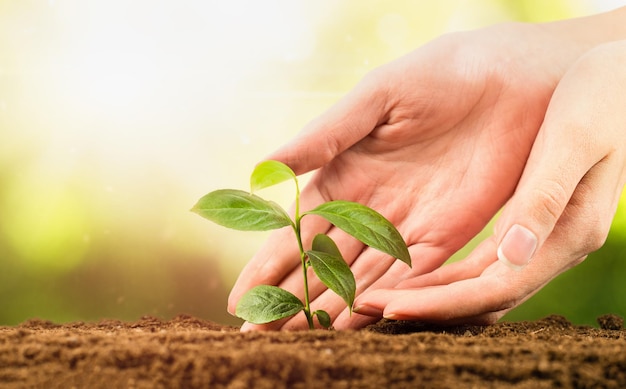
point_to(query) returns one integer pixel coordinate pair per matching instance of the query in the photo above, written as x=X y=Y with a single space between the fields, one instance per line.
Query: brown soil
x=190 y=353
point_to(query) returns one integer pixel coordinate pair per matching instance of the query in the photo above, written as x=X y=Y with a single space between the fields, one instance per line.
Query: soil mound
x=187 y=352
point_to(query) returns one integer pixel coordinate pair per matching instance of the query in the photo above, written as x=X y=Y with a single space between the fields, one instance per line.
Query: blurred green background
x=116 y=116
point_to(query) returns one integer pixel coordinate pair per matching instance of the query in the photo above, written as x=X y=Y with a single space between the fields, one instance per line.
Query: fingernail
x=366 y=310
x=518 y=247
x=391 y=316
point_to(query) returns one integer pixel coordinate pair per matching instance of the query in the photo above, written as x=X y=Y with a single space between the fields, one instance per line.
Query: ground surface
x=190 y=353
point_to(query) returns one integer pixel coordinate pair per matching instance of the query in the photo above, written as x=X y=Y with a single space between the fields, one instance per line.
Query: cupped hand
x=435 y=141
x=561 y=210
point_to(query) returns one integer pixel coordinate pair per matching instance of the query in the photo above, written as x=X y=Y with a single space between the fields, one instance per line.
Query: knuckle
x=509 y=301
x=590 y=224
x=594 y=241
x=513 y=293
x=332 y=147
x=577 y=261
x=549 y=201
x=595 y=233
x=376 y=82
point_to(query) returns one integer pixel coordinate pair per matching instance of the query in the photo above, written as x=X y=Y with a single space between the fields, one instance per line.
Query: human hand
x=565 y=201
x=435 y=141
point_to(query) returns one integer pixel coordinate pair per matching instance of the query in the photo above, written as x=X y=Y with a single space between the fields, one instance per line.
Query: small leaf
x=365 y=224
x=323 y=317
x=268 y=173
x=241 y=210
x=325 y=244
x=264 y=303
x=333 y=271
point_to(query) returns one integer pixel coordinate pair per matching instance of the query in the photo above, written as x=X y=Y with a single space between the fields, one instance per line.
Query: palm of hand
x=437 y=149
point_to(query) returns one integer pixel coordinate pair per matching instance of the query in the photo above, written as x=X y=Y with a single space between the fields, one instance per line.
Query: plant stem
x=303 y=258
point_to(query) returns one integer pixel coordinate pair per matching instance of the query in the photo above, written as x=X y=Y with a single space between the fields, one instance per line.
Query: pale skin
x=527 y=119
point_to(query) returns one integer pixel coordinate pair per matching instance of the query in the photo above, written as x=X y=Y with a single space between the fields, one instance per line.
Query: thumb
x=345 y=123
x=545 y=189
x=568 y=145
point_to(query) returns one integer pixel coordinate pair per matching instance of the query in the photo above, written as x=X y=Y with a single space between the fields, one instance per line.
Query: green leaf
x=323 y=317
x=265 y=303
x=333 y=271
x=325 y=244
x=241 y=210
x=365 y=224
x=268 y=173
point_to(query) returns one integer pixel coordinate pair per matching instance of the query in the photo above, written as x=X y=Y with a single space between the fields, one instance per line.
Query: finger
x=586 y=221
x=372 y=269
x=482 y=319
x=458 y=303
x=437 y=303
x=575 y=136
x=472 y=266
x=353 y=321
x=479 y=295
x=343 y=125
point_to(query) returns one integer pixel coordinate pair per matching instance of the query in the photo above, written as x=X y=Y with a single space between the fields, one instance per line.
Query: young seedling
x=241 y=210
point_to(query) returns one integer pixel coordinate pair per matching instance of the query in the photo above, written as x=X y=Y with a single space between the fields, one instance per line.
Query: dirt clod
x=611 y=322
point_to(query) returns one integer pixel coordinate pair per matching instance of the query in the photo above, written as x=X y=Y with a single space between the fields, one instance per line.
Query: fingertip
x=397 y=310
x=246 y=327
x=354 y=321
x=299 y=154
x=391 y=316
x=367 y=310
x=233 y=299
x=230 y=308
x=372 y=303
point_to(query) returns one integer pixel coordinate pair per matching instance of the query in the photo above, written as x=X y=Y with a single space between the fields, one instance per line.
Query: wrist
x=590 y=31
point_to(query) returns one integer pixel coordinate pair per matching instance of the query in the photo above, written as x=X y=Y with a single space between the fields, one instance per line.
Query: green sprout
x=245 y=211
